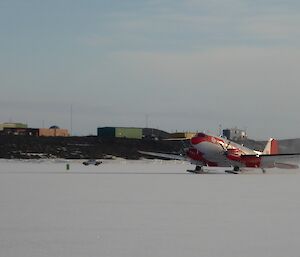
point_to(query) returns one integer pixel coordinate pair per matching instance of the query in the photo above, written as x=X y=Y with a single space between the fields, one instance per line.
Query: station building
x=235 y=134
x=20 y=129
x=12 y=128
x=53 y=131
x=131 y=133
x=120 y=132
x=182 y=135
x=12 y=125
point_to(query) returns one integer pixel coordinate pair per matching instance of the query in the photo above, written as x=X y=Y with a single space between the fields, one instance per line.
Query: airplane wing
x=166 y=155
x=283 y=161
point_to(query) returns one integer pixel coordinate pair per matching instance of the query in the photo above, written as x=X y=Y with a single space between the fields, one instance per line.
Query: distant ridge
x=26 y=147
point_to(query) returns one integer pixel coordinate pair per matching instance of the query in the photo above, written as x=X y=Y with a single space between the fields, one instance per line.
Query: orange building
x=53 y=132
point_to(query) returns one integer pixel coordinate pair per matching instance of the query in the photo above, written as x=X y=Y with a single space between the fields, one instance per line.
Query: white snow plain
x=145 y=208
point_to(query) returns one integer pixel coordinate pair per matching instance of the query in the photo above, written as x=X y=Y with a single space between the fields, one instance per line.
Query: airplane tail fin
x=271 y=147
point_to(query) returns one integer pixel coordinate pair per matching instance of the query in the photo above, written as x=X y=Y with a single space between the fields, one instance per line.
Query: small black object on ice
x=91 y=162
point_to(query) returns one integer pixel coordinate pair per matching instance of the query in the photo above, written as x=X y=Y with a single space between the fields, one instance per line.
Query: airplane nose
x=200 y=137
x=196 y=140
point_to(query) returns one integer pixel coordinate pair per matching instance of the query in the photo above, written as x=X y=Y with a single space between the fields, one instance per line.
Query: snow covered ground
x=145 y=208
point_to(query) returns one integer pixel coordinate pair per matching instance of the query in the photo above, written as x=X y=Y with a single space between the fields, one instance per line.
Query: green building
x=120 y=132
x=12 y=125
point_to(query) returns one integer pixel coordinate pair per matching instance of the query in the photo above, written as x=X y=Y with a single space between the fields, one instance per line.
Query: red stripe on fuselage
x=251 y=161
x=195 y=155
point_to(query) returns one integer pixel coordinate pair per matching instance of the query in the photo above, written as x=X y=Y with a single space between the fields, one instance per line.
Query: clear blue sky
x=188 y=65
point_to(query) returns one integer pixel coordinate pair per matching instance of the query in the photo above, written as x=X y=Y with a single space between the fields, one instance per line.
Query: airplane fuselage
x=219 y=152
x=214 y=151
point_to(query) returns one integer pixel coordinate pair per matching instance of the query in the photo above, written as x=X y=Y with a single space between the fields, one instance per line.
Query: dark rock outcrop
x=92 y=147
x=26 y=147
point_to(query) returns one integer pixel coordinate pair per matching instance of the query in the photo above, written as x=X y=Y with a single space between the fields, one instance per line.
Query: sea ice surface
x=145 y=208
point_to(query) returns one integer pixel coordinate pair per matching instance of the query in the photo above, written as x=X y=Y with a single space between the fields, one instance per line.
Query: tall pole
x=147 y=119
x=71 y=120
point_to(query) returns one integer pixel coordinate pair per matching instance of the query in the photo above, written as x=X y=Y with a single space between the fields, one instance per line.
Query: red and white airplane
x=213 y=151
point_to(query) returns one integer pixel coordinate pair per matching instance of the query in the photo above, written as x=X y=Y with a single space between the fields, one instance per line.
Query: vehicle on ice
x=91 y=162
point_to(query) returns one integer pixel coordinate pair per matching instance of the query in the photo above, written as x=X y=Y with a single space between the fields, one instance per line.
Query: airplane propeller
x=225 y=148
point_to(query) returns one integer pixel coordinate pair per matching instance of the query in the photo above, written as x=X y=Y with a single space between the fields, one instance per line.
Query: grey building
x=235 y=134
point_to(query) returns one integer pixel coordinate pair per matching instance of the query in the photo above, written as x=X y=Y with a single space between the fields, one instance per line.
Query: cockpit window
x=200 y=135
